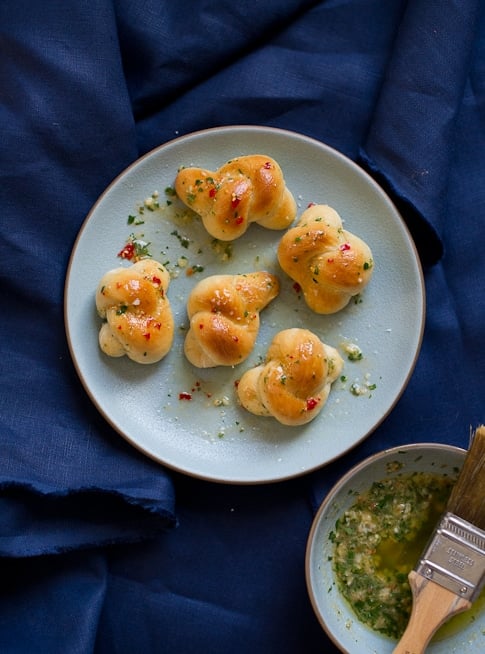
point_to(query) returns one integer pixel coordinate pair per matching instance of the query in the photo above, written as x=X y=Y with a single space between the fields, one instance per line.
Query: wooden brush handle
x=433 y=605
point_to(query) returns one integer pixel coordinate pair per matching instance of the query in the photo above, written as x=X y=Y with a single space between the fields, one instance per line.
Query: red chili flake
x=311 y=204
x=156 y=280
x=267 y=165
x=146 y=336
x=311 y=403
x=344 y=246
x=239 y=220
x=201 y=326
x=185 y=396
x=236 y=383
x=297 y=287
x=128 y=252
x=212 y=192
x=235 y=339
x=330 y=260
x=158 y=325
x=235 y=201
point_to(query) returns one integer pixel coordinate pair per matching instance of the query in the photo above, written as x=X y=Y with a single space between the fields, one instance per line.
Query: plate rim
x=231 y=129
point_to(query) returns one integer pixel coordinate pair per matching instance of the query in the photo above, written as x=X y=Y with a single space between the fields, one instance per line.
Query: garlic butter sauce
x=378 y=541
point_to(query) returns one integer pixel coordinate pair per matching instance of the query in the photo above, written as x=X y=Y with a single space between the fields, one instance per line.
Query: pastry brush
x=451 y=571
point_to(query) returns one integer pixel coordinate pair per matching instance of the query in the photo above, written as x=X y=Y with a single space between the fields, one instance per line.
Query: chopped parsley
x=377 y=542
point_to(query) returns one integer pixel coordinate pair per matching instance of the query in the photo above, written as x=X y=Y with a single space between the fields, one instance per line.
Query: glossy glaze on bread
x=330 y=264
x=224 y=317
x=244 y=190
x=293 y=383
x=136 y=312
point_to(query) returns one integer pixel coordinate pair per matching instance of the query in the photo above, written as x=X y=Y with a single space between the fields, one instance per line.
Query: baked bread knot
x=294 y=382
x=244 y=190
x=136 y=312
x=330 y=264
x=224 y=317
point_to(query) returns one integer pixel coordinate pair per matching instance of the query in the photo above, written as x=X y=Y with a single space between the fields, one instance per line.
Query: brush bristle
x=467 y=499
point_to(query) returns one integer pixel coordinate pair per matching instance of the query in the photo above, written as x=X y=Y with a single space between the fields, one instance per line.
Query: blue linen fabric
x=101 y=549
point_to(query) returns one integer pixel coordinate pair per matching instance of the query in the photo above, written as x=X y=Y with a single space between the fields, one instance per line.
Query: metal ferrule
x=455 y=557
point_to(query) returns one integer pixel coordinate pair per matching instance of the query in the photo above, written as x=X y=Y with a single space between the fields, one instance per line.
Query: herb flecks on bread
x=294 y=382
x=137 y=316
x=330 y=264
x=245 y=190
x=224 y=317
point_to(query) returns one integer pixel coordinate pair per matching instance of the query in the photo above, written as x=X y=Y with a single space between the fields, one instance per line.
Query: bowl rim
x=332 y=493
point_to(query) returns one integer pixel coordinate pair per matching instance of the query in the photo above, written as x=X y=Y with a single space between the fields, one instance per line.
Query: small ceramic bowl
x=332 y=610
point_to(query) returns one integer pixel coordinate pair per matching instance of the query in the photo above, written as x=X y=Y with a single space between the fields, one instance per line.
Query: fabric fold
x=37 y=524
x=67 y=480
x=410 y=143
x=65 y=485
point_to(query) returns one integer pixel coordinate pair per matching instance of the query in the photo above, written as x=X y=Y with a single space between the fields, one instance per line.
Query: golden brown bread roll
x=224 y=317
x=244 y=190
x=294 y=382
x=329 y=263
x=138 y=318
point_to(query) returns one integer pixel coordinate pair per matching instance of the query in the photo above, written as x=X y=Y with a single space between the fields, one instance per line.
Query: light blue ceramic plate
x=210 y=436
x=466 y=635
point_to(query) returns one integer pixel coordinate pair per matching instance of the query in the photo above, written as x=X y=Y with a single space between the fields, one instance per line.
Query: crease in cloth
x=410 y=143
x=37 y=523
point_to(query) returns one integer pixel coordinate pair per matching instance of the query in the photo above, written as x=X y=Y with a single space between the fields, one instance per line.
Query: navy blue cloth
x=65 y=476
x=101 y=549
